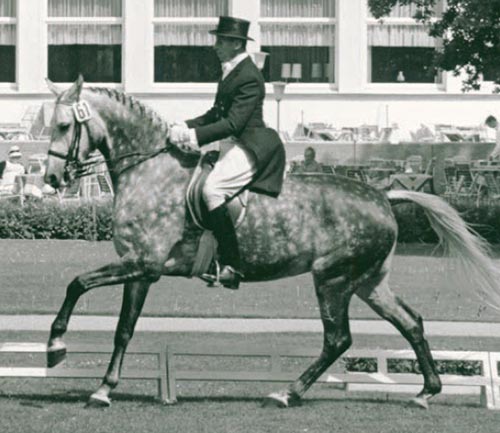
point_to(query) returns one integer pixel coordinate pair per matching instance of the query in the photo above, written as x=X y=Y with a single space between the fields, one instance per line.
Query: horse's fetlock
x=111 y=381
x=58 y=328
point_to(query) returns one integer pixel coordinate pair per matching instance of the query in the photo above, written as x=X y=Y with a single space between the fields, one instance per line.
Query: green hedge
x=369 y=365
x=484 y=218
x=52 y=220
x=92 y=221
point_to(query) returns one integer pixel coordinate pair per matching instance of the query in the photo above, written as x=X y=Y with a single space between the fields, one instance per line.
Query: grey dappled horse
x=340 y=230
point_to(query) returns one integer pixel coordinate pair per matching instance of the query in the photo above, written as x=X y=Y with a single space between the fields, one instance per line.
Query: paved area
x=237 y=325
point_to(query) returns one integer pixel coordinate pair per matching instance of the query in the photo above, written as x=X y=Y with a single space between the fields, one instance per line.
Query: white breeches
x=233 y=170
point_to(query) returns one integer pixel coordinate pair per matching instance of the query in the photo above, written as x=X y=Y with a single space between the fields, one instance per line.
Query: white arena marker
x=332 y=379
x=22 y=372
x=382 y=378
x=23 y=347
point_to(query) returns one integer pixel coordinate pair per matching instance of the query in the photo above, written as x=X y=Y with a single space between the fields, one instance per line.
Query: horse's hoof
x=55 y=356
x=276 y=399
x=420 y=402
x=98 y=400
x=281 y=400
x=169 y=402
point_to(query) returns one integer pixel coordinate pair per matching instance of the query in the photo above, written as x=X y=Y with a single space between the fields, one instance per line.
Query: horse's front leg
x=114 y=273
x=133 y=301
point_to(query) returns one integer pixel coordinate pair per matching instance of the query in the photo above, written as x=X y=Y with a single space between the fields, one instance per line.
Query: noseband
x=73 y=166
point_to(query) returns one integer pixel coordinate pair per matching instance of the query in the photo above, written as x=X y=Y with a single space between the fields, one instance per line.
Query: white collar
x=228 y=66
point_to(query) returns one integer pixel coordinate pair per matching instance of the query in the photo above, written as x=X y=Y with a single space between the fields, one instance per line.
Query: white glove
x=177 y=123
x=179 y=134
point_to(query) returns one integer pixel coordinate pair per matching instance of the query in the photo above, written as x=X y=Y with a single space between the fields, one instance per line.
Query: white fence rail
x=167 y=373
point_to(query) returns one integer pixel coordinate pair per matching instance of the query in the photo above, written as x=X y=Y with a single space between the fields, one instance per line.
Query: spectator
x=309 y=165
x=493 y=123
x=10 y=169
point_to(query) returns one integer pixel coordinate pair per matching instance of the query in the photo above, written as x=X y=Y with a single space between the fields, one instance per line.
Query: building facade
x=341 y=66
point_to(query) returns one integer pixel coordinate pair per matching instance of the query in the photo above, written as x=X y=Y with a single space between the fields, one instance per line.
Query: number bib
x=82 y=111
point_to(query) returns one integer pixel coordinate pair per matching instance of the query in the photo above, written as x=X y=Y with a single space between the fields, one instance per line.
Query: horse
x=341 y=230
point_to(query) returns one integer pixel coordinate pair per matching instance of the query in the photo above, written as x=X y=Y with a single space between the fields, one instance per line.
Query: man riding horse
x=251 y=155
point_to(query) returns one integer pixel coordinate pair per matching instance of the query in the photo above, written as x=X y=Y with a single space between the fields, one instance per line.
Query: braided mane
x=150 y=120
x=137 y=107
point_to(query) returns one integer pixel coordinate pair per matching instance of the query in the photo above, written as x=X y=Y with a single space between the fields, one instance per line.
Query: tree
x=470 y=34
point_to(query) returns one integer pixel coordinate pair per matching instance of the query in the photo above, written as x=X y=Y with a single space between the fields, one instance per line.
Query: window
x=183 y=46
x=7 y=41
x=85 y=36
x=400 y=50
x=299 y=36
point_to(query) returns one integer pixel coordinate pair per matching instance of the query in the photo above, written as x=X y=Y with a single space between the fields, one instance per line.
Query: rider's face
x=226 y=48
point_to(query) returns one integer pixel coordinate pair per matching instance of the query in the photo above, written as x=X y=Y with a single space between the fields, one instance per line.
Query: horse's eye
x=63 y=127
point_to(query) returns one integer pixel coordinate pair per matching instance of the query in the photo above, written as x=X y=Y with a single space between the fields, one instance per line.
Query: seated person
x=493 y=123
x=309 y=165
x=10 y=169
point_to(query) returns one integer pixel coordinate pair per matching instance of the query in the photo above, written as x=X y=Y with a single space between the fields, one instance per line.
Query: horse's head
x=77 y=129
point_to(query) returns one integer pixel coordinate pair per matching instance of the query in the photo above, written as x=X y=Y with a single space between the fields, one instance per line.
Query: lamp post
x=279 y=91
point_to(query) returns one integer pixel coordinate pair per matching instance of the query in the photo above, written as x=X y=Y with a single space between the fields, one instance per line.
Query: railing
x=167 y=374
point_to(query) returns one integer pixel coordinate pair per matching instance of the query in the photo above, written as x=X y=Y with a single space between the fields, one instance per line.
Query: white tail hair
x=460 y=242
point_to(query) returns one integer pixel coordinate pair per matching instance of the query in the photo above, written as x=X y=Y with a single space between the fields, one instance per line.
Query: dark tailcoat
x=237 y=111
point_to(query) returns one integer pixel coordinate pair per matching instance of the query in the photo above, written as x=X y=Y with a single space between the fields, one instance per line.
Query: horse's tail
x=460 y=242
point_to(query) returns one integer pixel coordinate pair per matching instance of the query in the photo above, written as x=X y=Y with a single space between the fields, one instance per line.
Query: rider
x=251 y=155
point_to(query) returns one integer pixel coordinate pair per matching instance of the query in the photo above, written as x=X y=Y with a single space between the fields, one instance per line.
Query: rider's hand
x=179 y=134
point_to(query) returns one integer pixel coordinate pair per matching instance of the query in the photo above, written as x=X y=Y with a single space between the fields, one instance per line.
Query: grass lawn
x=34 y=275
x=50 y=405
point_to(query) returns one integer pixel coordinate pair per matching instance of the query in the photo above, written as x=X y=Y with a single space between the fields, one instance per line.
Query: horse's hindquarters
x=316 y=226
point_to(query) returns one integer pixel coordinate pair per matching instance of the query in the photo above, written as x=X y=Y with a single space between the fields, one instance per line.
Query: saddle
x=236 y=205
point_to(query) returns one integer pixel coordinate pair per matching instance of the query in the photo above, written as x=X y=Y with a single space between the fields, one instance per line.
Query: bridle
x=74 y=168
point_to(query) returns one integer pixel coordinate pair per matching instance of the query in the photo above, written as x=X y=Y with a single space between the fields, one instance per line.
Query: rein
x=75 y=169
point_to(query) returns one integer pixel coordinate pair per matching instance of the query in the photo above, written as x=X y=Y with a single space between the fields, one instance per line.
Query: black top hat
x=230 y=27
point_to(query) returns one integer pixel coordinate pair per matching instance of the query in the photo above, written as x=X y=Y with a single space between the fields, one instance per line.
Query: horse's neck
x=131 y=133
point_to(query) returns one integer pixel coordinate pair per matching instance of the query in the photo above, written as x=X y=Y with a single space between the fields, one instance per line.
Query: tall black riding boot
x=229 y=255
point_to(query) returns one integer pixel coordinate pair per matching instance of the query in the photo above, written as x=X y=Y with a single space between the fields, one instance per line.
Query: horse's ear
x=75 y=89
x=53 y=88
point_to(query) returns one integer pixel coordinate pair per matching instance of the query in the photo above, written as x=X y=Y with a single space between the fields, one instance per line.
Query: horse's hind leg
x=115 y=273
x=133 y=300
x=383 y=301
x=333 y=296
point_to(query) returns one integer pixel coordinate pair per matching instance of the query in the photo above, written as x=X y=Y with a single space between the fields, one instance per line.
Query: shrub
x=483 y=217
x=53 y=220
x=93 y=220
x=369 y=365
